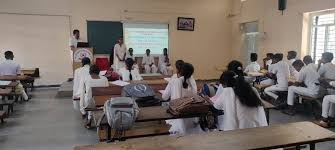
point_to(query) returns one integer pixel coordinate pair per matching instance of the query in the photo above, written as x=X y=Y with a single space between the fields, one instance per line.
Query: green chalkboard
x=102 y=35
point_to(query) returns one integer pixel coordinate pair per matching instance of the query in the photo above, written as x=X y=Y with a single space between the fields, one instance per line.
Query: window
x=322 y=34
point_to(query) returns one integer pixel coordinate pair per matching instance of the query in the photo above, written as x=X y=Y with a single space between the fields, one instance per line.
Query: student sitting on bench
x=280 y=71
x=328 y=105
x=267 y=61
x=307 y=85
x=241 y=104
x=164 y=63
x=177 y=88
x=85 y=87
x=130 y=72
x=326 y=68
x=253 y=66
x=79 y=74
x=148 y=62
x=308 y=60
x=131 y=55
x=11 y=68
x=291 y=57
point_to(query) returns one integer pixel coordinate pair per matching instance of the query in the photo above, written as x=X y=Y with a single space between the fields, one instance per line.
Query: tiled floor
x=49 y=123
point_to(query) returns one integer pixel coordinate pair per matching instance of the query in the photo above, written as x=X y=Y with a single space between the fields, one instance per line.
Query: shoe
x=322 y=123
x=289 y=111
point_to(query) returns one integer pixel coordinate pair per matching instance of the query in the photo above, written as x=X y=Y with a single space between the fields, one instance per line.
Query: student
x=268 y=60
x=309 y=78
x=236 y=67
x=148 y=62
x=280 y=70
x=179 y=66
x=327 y=109
x=327 y=70
x=130 y=72
x=164 y=63
x=75 y=38
x=11 y=68
x=241 y=104
x=79 y=74
x=86 y=84
x=131 y=55
x=253 y=66
x=291 y=57
x=177 y=88
x=308 y=60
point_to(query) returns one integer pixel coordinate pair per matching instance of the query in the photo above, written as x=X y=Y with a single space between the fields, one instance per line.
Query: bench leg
x=2 y=120
x=312 y=146
x=267 y=114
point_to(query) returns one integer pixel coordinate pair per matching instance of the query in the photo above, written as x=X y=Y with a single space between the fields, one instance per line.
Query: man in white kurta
x=73 y=42
x=164 y=63
x=80 y=74
x=11 y=68
x=148 y=62
x=120 y=50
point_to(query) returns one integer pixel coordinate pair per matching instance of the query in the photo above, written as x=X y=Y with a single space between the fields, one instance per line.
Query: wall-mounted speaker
x=282 y=5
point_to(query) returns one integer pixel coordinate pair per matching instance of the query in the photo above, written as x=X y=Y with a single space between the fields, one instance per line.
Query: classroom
x=167 y=74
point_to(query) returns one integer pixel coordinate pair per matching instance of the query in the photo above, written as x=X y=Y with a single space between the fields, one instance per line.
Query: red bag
x=112 y=75
x=102 y=63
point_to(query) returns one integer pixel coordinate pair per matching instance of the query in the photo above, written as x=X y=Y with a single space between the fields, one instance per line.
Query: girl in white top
x=129 y=72
x=178 y=88
x=241 y=103
x=86 y=100
x=164 y=63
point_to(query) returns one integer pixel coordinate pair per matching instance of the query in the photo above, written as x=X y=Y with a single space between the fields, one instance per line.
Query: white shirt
x=268 y=62
x=148 y=60
x=252 y=67
x=293 y=72
x=309 y=77
x=79 y=74
x=236 y=115
x=327 y=71
x=86 y=90
x=129 y=56
x=119 y=50
x=175 y=90
x=124 y=73
x=281 y=69
x=9 y=67
x=162 y=60
x=73 y=42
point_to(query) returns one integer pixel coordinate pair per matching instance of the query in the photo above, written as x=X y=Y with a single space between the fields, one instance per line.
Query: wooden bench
x=2 y=116
x=8 y=103
x=271 y=137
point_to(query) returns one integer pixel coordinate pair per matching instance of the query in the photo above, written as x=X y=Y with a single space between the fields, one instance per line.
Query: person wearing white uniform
x=267 y=61
x=11 y=68
x=291 y=57
x=79 y=74
x=120 y=50
x=148 y=62
x=253 y=66
x=327 y=109
x=327 y=70
x=308 y=60
x=281 y=71
x=73 y=42
x=307 y=77
x=130 y=72
x=241 y=104
x=131 y=55
x=85 y=87
x=178 y=88
x=164 y=63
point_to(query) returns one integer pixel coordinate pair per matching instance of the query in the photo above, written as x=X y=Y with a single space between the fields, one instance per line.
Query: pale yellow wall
x=283 y=32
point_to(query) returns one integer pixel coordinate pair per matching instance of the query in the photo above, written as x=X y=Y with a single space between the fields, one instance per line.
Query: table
x=10 y=85
x=155 y=76
x=14 y=78
x=274 y=136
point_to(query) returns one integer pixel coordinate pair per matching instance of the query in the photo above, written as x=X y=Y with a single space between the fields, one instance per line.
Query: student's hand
x=320 y=61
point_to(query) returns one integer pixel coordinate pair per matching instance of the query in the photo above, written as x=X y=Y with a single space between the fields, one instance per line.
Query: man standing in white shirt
x=80 y=74
x=307 y=84
x=120 y=50
x=281 y=71
x=164 y=63
x=75 y=38
x=11 y=68
x=148 y=62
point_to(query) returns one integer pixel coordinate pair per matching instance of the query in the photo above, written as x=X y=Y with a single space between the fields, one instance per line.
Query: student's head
x=277 y=57
x=291 y=55
x=327 y=57
x=179 y=66
x=187 y=71
x=76 y=33
x=131 y=51
x=94 y=70
x=120 y=40
x=298 y=64
x=147 y=52
x=236 y=67
x=242 y=89
x=269 y=55
x=308 y=60
x=129 y=63
x=85 y=61
x=9 y=55
x=165 y=51
x=253 y=57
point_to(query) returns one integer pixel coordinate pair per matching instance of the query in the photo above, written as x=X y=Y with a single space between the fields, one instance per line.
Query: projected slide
x=146 y=36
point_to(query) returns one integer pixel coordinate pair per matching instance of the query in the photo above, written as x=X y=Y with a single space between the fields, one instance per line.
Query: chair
x=102 y=63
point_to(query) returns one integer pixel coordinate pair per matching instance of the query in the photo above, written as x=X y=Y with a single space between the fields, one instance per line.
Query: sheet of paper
x=120 y=83
x=161 y=91
x=102 y=73
x=150 y=74
x=3 y=83
x=167 y=79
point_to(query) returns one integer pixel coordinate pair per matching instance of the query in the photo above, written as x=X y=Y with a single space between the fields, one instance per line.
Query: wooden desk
x=28 y=72
x=10 y=85
x=5 y=92
x=156 y=76
x=13 y=78
x=275 y=136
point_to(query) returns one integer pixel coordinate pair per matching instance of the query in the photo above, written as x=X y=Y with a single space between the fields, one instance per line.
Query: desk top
x=13 y=78
x=11 y=85
x=274 y=136
x=5 y=91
